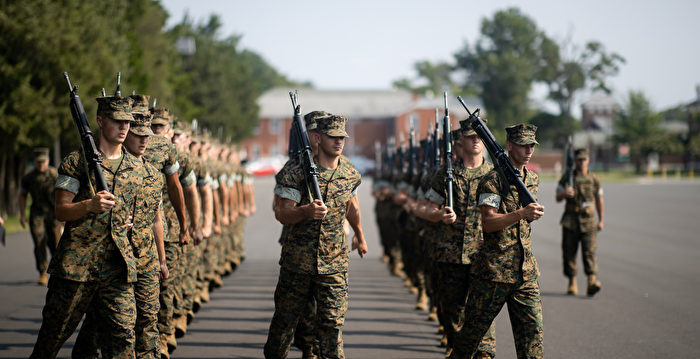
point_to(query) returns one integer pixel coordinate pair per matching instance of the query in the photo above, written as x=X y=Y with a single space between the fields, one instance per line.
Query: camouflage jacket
x=85 y=241
x=457 y=242
x=148 y=200
x=506 y=255
x=318 y=246
x=40 y=186
x=579 y=212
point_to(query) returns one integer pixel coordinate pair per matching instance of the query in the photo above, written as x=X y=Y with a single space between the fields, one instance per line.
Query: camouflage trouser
x=569 y=246
x=109 y=297
x=293 y=293
x=304 y=336
x=486 y=299
x=44 y=230
x=192 y=257
x=453 y=288
x=169 y=289
x=146 y=289
x=210 y=256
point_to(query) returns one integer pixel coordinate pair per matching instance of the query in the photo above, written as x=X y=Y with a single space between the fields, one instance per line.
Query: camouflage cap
x=140 y=105
x=522 y=134
x=41 y=154
x=161 y=116
x=115 y=107
x=456 y=134
x=310 y=119
x=466 y=127
x=180 y=127
x=581 y=153
x=333 y=125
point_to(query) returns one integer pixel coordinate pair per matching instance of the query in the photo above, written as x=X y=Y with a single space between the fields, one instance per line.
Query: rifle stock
x=87 y=139
x=499 y=157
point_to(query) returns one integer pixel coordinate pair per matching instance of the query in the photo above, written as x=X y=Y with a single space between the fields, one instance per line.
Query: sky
x=367 y=44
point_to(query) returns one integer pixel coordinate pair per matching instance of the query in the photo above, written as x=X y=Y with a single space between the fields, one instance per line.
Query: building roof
x=599 y=100
x=354 y=104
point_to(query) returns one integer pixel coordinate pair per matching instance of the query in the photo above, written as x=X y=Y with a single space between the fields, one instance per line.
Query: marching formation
x=154 y=211
x=457 y=229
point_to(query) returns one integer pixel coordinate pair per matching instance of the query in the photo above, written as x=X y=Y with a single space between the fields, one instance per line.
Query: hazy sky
x=362 y=44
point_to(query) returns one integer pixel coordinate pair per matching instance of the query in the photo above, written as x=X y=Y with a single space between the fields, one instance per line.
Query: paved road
x=648 y=258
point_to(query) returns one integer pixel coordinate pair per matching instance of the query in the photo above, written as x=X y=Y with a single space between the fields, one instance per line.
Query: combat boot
x=482 y=355
x=180 y=324
x=197 y=301
x=190 y=316
x=43 y=279
x=204 y=293
x=593 y=285
x=171 y=343
x=573 y=287
x=216 y=282
x=433 y=317
x=164 y=347
x=443 y=341
x=227 y=268
x=422 y=301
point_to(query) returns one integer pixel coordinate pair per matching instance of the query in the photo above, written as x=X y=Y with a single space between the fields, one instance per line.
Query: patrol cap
x=115 y=107
x=333 y=125
x=466 y=127
x=140 y=105
x=161 y=116
x=581 y=154
x=41 y=154
x=456 y=134
x=310 y=119
x=522 y=134
x=141 y=125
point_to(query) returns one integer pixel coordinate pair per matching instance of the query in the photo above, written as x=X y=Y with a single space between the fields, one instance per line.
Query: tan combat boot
x=190 y=316
x=422 y=301
x=43 y=279
x=593 y=285
x=204 y=293
x=164 y=347
x=171 y=343
x=197 y=301
x=573 y=287
x=180 y=324
x=433 y=317
x=443 y=341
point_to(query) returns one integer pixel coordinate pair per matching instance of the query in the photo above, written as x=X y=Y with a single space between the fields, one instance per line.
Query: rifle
x=436 y=141
x=412 y=153
x=87 y=139
x=447 y=135
x=118 y=92
x=307 y=157
x=570 y=162
x=499 y=157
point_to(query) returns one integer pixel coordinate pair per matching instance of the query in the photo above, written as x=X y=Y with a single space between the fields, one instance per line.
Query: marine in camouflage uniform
x=94 y=266
x=459 y=235
x=504 y=270
x=39 y=183
x=314 y=259
x=147 y=243
x=162 y=155
x=579 y=222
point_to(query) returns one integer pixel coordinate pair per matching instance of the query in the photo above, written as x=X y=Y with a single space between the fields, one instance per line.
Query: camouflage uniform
x=162 y=155
x=314 y=258
x=579 y=223
x=455 y=246
x=42 y=223
x=94 y=265
x=504 y=270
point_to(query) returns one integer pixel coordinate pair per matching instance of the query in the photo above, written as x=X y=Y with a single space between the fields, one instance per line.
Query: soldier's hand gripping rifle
x=499 y=157
x=307 y=157
x=87 y=139
x=449 y=171
x=570 y=162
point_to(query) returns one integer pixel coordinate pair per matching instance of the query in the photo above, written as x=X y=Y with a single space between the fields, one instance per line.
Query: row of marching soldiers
x=422 y=238
x=139 y=259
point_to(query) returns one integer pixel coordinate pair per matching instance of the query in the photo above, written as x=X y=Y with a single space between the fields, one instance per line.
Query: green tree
x=433 y=78
x=637 y=124
x=502 y=64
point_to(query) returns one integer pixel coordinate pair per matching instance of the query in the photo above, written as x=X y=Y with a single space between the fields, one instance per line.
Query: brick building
x=373 y=115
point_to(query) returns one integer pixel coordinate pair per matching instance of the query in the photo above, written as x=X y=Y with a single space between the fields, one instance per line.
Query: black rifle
x=87 y=139
x=570 y=162
x=412 y=154
x=499 y=157
x=307 y=157
x=449 y=171
x=118 y=91
x=436 y=141
x=293 y=150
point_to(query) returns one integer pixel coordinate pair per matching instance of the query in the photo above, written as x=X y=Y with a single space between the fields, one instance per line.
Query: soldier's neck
x=110 y=150
x=473 y=161
x=328 y=161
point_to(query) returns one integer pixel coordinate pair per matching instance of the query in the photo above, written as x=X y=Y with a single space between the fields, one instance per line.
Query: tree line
x=190 y=68
x=512 y=54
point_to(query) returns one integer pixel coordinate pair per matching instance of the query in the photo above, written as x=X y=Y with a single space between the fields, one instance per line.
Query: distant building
x=373 y=115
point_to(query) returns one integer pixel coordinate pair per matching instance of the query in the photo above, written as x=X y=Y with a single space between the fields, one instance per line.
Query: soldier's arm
x=355 y=220
x=160 y=246
x=599 y=207
x=233 y=201
x=493 y=221
x=251 y=198
x=193 y=209
x=66 y=210
x=178 y=200
x=289 y=213
x=22 y=200
x=216 y=210
x=207 y=209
